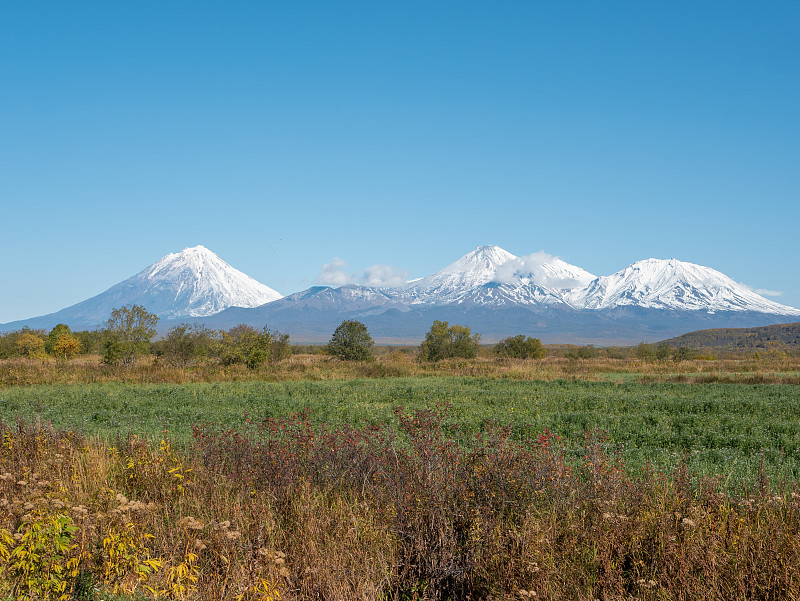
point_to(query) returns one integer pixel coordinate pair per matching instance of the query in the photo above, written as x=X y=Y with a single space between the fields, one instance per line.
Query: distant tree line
x=352 y=342
x=128 y=335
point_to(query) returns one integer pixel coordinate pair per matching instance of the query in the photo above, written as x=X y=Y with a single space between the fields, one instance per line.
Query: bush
x=582 y=352
x=30 y=345
x=245 y=344
x=520 y=347
x=185 y=344
x=351 y=341
x=444 y=341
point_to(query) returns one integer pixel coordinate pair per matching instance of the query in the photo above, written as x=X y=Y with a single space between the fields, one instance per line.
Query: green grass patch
x=726 y=429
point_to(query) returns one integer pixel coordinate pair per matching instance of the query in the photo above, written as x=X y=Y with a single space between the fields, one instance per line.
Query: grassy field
x=727 y=429
x=362 y=500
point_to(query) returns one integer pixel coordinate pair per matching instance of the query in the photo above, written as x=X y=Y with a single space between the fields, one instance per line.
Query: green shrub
x=351 y=341
x=520 y=347
x=444 y=341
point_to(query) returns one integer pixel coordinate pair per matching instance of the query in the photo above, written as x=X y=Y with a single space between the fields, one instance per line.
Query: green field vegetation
x=246 y=471
x=727 y=429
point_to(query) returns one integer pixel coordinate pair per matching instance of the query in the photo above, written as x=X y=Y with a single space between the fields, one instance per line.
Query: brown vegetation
x=283 y=510
x=778 y=368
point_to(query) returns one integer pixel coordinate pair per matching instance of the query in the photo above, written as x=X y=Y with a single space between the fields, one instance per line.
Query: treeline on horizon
x=130 y=334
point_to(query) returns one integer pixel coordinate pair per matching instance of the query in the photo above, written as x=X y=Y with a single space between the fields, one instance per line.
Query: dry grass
x=778 y=369
x=285 y=509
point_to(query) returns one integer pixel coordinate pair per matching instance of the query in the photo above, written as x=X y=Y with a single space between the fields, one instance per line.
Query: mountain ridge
x=503 y=293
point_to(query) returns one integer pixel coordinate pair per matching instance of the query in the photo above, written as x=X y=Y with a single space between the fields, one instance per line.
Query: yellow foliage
x=66 y=345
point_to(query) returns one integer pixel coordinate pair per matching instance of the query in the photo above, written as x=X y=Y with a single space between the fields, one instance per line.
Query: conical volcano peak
x=192 y=257
x=482 y=261
x=196 y=282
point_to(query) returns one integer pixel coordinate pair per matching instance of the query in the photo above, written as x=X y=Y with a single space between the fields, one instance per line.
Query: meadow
x=484 y=479
x=715 y=428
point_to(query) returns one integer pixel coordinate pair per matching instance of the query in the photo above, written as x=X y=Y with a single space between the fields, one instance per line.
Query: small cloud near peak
x=761 y=291
x=333 y=274
x=384 y=276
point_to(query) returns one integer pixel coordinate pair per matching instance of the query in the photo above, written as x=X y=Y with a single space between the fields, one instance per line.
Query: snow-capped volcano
x=673 y=284
x=190 y=284
x=490 y=275
x=195 y=283
x=474 y=269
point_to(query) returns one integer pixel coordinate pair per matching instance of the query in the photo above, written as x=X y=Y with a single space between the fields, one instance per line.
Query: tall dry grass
x=779 y=369
x=285 y=510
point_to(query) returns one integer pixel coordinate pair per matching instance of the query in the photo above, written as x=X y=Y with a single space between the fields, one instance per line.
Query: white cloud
x=509 y=272
x=384 y=276
x=761 y=291
x=532 y=268
x=333 y=274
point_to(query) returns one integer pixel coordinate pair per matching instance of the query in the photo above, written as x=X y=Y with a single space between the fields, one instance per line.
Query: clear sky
x=285 y=136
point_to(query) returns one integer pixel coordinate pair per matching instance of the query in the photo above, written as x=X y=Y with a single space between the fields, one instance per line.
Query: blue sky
x=282 y=135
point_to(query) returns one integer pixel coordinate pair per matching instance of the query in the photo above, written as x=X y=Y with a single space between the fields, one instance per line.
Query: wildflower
x=233 y=535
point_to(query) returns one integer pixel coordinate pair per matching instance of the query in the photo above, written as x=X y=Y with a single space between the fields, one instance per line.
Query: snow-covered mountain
x=490 y=275
x=673 y=285
x=192 y=283
x=493 y=291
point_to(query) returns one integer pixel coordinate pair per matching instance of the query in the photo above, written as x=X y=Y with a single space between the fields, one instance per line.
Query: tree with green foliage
x=582 y=352
x=351 y=341
x=663 y=351
x=244 y=344
x=280 y=348
x=185 y=344
x=444 y=341
x=682 y=353
x=520 y=347
x=127 y=334
x=91 y=341
x=57 y=331
x=645 y=351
